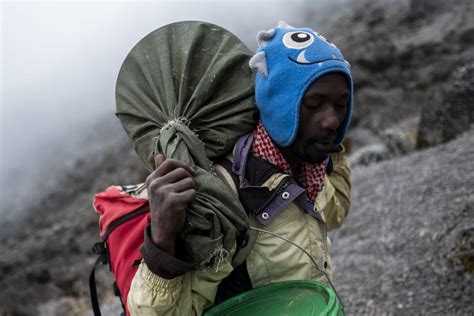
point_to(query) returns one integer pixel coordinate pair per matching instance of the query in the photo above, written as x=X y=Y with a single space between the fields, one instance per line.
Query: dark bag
x=186 y=91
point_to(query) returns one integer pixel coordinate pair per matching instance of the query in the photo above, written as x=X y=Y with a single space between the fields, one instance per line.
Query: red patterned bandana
x=310 y=175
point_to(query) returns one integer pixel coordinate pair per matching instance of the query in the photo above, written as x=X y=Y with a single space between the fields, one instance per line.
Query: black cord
x=309 y=255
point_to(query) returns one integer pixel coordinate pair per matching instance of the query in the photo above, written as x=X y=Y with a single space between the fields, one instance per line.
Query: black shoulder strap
x=246 y=239
x=119 y=221
x=93 y=288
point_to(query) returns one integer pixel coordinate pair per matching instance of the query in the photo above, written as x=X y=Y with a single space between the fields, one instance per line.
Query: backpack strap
x=244 y=249
x=119 y=221
x=233 y=181
x=93 y=286
x=239 y=159
x=233 y=171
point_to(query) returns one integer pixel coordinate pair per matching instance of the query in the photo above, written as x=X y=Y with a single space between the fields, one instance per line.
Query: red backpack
x=122 y=223
x=123 y=219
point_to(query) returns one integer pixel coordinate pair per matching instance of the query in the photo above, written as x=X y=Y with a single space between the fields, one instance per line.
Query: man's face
x=322 y=111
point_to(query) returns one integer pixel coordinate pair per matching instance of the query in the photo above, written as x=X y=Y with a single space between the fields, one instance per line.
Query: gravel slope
x=45 y=264
x=401 y=250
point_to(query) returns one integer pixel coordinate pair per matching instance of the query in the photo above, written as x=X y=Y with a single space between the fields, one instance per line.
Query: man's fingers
x=181 y=185
x=187 y=196
x=159 y=160
x=175 y=176
x=169 y=165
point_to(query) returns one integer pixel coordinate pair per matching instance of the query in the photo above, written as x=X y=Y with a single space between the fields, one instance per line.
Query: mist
x=59 y=63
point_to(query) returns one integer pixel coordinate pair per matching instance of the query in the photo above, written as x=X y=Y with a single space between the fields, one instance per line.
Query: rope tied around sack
x=179 y=120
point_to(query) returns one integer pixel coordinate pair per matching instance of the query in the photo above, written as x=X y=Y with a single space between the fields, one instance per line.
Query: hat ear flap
x=259 y=62
x=264 y=37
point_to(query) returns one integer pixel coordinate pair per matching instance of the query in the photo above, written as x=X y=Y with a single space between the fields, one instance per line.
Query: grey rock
x=368 y=155
x=359 y=137
x=402 y=52
x=391 y=143
x=396 y=141
x=451 y=110
x=407 y=244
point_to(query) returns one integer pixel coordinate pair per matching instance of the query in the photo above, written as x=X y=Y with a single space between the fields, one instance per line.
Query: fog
x=59 y=63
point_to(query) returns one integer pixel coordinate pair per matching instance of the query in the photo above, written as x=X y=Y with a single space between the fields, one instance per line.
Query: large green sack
x=186 y=91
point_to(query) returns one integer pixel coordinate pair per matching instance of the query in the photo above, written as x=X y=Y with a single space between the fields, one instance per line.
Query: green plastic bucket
x=302 y=297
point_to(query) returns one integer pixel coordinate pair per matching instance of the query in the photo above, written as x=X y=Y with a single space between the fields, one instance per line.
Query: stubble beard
x=310 y=151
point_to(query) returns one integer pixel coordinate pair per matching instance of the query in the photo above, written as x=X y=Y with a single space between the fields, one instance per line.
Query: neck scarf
x=310 y=175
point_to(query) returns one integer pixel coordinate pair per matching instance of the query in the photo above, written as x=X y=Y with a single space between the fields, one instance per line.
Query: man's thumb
x=159 y=160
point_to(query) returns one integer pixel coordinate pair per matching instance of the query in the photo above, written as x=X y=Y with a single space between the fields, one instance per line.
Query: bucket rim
x=332 y=303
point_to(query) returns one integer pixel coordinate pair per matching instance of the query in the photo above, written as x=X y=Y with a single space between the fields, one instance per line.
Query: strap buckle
x=99 y=248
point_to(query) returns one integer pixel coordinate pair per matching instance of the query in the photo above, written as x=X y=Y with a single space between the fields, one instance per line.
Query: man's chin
x=313 y=157
x=316 y=160
x=314 y=152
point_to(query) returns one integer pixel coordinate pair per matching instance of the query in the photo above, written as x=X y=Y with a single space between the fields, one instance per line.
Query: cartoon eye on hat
x=298 y=40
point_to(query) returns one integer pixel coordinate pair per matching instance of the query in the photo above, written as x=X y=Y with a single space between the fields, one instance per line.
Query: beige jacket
x=271 y=259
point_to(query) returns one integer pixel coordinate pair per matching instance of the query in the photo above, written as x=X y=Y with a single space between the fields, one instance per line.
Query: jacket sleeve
x=334 y=200
x=187 y=294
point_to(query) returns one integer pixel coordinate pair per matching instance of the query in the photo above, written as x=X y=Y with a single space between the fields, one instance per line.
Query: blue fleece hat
x=288 y=61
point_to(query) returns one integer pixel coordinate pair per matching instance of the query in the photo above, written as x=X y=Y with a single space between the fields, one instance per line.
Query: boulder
x=449 y=111
x=392 y=143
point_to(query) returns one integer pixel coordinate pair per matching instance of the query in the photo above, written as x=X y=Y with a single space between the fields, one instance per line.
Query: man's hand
x=170 y=189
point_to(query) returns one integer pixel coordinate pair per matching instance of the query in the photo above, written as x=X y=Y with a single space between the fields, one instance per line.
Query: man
x=290 y=175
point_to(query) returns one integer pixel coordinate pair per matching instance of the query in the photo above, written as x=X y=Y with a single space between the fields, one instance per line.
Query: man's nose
x=330 y=120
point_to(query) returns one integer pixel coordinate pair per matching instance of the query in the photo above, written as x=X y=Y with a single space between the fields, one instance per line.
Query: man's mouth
x=322 y=144
x=325 y=142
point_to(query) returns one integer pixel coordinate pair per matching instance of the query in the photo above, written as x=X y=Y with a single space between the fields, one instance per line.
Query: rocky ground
x=44 y=267
x=405 y=56
x=407 y=246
